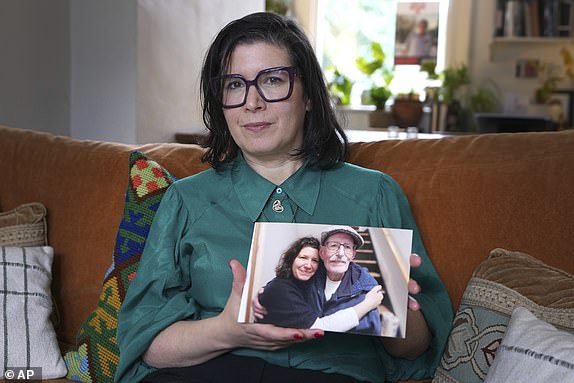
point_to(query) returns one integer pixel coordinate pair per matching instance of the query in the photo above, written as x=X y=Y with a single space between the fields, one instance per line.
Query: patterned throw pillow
x=24 y=226
x=533 y=351
x=27 y=337
x=97 y=354
x=499 y=284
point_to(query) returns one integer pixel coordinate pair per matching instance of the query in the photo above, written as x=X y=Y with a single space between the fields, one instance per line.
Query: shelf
x=532 y=40
x=533 y=22
x=499 y=46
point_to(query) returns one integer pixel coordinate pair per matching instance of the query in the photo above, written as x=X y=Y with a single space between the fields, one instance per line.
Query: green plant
x=456 y=85
x=280 y=7
x=429 y=67
x=463 y=99
x=340 y=86
x=380 y=75
x=568 y=62
x=453 y=79
x=379 y=96
x=550 y=76
x=484 y=100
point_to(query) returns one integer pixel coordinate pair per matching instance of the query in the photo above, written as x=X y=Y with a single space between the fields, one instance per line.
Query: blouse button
x=279 y=190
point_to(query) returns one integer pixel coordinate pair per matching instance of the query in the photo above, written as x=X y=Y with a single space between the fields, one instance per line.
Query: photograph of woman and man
x=335 y=278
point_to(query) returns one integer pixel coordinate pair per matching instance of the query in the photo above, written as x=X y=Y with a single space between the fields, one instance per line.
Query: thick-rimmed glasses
x=335 y=246
x=273 y=84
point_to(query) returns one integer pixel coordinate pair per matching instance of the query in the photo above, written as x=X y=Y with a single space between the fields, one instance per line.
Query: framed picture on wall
x=416 y=36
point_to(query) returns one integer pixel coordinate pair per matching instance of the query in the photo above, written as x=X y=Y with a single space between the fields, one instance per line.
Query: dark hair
x=324 y=142
x=283 y=269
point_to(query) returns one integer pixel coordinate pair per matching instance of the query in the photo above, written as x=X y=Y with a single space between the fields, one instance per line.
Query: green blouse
x=207 y=219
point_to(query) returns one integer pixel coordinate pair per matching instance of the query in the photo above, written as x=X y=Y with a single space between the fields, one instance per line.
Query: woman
x=287 y=298
x=277 y=152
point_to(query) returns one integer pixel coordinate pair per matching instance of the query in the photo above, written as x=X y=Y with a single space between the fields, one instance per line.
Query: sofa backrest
x=83 y=185
x=469 y=195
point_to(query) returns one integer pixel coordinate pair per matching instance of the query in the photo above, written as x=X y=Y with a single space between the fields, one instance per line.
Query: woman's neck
x=276 y=171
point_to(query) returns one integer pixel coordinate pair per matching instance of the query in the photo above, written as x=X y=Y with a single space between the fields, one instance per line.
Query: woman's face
x=265 y=131
x=305 y=263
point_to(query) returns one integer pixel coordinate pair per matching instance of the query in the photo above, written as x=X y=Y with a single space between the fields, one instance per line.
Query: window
x=345 y=30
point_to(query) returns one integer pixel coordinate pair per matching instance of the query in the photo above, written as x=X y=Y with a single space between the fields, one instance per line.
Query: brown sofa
x=469 y=194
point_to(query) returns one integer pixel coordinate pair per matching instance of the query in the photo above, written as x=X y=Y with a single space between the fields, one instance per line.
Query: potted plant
x=381 y=78
x=550 y=76
x=453 y=79
x=340 y=87
x=459 y=99
x=407 y=109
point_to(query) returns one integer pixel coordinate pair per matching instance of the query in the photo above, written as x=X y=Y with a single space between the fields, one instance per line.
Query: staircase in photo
x=366 y=257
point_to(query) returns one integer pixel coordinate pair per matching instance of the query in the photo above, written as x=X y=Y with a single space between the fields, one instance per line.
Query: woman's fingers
x=415 y=260
x=413 y=304
x=375 y=296
x=270 y=337
x=254 y=335
x=239 y=275
x=413 y=287
x=259 y=310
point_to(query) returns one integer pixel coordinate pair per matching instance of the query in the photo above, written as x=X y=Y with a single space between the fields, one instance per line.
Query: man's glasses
x=335 y=246
x=273 y=84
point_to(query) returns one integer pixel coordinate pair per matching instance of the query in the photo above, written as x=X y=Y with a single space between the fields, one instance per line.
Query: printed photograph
x=335 y=278
x=416 y=37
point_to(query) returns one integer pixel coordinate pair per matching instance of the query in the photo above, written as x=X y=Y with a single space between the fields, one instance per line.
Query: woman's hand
x=192 y=342
x=253 y=335
x=259 y=311
x=374 y=297
x=371 y=302
x=413 y=286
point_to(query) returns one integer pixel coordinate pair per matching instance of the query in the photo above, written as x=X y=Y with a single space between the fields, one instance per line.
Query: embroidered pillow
x=503 y=281
x=533 y=351
x=24 y=226
x=97 y=354
x=27 y=338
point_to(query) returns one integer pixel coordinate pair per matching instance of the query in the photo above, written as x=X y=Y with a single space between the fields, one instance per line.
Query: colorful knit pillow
x=97 y=355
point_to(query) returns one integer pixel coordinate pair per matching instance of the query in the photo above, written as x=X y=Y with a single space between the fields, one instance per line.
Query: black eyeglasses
x=335 y=246
x=273 y=84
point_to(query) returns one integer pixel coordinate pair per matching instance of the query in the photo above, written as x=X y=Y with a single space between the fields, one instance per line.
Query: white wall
x=173 y=36
x=460 y=19
x=34 y=65
x=136 y=65
x=103 y=76
x=114 y=70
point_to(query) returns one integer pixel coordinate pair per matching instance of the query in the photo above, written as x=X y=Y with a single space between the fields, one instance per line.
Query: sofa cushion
x=24 y=225
x=96 y=357
x=28 y=337
x=506 y=279
x=533 y=351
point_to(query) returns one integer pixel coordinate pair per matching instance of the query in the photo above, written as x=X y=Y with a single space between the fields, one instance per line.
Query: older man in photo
x=340 y=282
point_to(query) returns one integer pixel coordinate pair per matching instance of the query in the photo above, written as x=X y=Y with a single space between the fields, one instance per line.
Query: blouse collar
x=254 y=191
